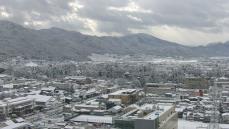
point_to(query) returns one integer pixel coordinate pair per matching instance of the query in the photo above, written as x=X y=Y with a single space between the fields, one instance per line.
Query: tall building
x=149 y=116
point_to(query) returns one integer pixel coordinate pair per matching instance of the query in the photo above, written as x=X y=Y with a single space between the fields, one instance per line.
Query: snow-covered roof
x=11 y=125
x=117 y=108
x=93 y=90
x=48 y=88
x=75 y=77
x=40 y=98
x=115 y=100
x=15 y=101
x=31 y=64
x=224 y=126
x=10 y=85
x=86 y=106
x=20 y=120
x=4 y=75
x=93 y=119
x=181 y=109
x=124 y=91
x=225 y=114
x=155 y=114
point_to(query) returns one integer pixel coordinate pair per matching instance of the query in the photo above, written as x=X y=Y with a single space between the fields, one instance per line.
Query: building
x=7 y=94
x=149 y=116
x=49 y=91
x=87 y=107
x=78 y=79
x=9 y=124
x=196 y=83
x=225 y=117
x=19 y=106
x=160 y=88
x=88 y=93
x=93 y=119
x=62 y=86
x=5 y=77
x=127 y=96
x=41 y=101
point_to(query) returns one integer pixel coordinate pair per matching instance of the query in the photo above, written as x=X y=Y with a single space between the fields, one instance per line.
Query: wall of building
x=126 y=99
x=146 y=124
x=124 y=124
x=171 y=122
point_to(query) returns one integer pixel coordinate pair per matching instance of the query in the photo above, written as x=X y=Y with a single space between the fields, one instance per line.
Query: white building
x=18 y=106
x=9 y=124
x=41 y=101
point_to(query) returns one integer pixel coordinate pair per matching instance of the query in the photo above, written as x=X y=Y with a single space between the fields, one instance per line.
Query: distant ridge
x=55 y=44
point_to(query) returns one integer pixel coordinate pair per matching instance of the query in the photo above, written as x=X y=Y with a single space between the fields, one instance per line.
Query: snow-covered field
x=184 y=124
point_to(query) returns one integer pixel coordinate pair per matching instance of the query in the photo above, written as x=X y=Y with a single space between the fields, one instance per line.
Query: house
x=49 y=91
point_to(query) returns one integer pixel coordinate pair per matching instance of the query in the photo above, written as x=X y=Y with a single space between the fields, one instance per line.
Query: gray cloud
x=171 y=20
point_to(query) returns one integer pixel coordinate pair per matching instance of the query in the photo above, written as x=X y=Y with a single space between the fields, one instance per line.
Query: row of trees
x=123 y=72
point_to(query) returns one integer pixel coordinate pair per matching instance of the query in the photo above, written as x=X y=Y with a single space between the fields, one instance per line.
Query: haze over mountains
x=55 y=43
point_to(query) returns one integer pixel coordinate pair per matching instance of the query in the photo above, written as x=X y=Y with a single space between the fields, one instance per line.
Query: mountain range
x=56 y=43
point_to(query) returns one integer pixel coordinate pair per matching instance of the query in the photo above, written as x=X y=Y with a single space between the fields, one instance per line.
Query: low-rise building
x=160 y=88
x=49 y=91
x=9 y=124
x=127 y=96
x=41 y=101
x=19 y=106
x=93 y=119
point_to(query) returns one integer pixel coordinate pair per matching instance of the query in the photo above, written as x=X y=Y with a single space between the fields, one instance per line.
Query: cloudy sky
x=189 y=22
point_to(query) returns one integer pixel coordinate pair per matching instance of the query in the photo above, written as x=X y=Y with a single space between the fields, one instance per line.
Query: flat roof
x=93 y=119
x=48 y=88
x=85 y=106
x=11 y=125
x=76 y=77
x=40 y=98
x=124 y=91
x=15 y=101
x=158 y=112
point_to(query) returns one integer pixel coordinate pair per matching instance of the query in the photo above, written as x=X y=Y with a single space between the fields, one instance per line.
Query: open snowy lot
x=184 y=124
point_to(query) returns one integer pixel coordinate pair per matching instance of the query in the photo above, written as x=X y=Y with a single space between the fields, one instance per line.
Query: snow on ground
x=31 y=64
x=184 y=124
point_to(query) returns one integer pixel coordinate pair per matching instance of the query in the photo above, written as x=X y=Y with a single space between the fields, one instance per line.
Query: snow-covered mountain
x=55 y=43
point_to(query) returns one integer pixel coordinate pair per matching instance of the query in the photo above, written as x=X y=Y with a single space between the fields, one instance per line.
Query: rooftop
x=40 y=98
x=152 y=111
x=93 y=119
x=14 y=101
x=124 y=92
x=11 y=125
x=48 y=88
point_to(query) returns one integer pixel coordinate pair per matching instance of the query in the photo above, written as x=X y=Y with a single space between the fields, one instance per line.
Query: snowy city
x=114 y=64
